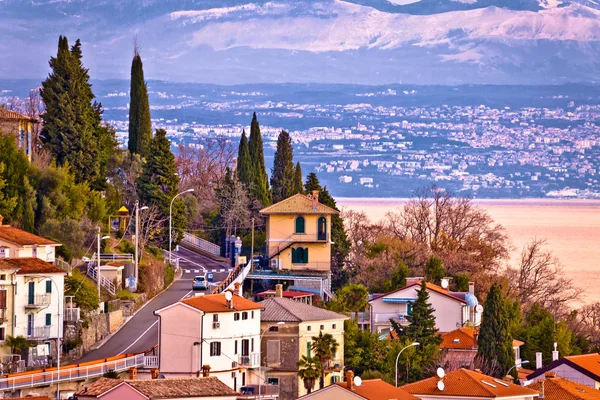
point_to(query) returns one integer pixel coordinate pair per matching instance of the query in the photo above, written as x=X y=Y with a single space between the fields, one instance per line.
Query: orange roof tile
x=589 y=362
x=376 y=389
x=7 y=114
x=461 y=338
x=23 y=238
x=466 y=383
x=556 y=388
x=30 y=265
x=298 y=204
x=217 y=303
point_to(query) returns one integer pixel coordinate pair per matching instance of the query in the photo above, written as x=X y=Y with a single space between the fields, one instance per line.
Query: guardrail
x=70 y=373
x=104 y=281
x=201 y=244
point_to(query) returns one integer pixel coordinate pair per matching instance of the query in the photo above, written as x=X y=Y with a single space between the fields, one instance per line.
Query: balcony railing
x=267 y=391
x=334 y=365
x=385 y=318
x=38 y=332
x=251 y=360
x=37 y=300
x=72 y=314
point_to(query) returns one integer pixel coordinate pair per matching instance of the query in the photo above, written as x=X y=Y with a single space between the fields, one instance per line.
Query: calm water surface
x=570 y=227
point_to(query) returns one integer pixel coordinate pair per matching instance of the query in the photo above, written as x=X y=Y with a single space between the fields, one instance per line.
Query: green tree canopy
x=434 y=270
x=421 y=320
x=260 y=180
x=298 y=184
x=13 y=181
x=325 y=347
x=309 y=370
x=244 y=164
x=140 y=125
x=283 y=173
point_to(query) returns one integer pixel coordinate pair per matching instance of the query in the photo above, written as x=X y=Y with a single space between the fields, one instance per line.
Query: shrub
x=84 y=291
x=126 y=247
x=125 y=294
x=169 y=274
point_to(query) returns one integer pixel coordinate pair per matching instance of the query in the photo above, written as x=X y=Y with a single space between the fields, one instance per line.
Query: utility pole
x=137 y=232
x=98 y=264
x=252 y=248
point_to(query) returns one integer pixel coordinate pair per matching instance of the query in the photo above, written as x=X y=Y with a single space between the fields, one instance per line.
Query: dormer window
x=300 y=225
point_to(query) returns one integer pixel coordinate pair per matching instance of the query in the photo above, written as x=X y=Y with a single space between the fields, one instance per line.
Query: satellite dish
x=48 y=249
x=441 y=386
x=479 y=308
x=440 y=372
x=357 y=381
x=228 y=295
x=445 y=283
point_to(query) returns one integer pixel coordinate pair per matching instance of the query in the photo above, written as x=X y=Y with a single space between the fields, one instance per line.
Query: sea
x=570 y=227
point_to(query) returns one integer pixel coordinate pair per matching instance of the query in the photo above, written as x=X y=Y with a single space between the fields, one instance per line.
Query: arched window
x=300 y=222
x=300 y=255
x=322 y=228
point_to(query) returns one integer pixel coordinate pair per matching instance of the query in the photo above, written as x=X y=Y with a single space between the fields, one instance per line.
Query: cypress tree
x=495 y=354
x=140 y=126
x=298 y=185
x=244 y=164
x=260 y=179
x=422 y=321
x=283 y=173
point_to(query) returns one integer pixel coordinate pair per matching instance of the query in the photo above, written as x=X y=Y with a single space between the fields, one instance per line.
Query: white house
x=221 y=331
x=17 y=243
x=34 y=298
x=583 y=369
x=452 y=309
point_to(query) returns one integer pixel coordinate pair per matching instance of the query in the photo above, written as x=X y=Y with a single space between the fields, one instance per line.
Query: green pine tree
x=283 y=173
x=298 y=184
x=495 y=355
x=341 y=245
x=422 y=320
x=140 y=125
x=434 y=270
x=16 y=195
x=260 y=180
x=244 y=164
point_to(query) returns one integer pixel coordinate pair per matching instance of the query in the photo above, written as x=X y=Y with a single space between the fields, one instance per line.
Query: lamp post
x=137 y=233
x=98 y=261
x=171 y=219
x=517 y=366
x=398 y=357
x=260 y=358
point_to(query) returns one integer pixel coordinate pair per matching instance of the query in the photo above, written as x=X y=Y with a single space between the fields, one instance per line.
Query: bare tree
x=235 y=206
x=124 y=170
x=151 y=223
x=586 y=322
x=33 y=107
x=539 y=278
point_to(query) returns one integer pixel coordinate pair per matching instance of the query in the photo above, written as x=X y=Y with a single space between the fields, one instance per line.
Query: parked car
x=199 y=283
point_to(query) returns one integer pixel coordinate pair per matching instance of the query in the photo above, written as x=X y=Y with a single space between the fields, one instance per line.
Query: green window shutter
x=300 y=225
x=48 y=286
x=306 y=255
x=409 y=308
x=308 y=349
x=48 y=319
x=294 y=256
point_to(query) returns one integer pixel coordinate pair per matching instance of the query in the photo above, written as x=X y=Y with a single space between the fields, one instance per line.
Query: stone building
x=20 y=126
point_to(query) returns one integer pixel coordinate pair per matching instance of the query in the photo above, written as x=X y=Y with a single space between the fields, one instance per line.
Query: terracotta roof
x=164 y=388
x=587 y=364
x=218 y=303
x=429 y=285
x=376 y=389
x=23 y=238
x=7 y=114
x=30 y=265
x=466 y=383
x=298 y=204
x=288 y=310
x=461 y=338
x=556 y=388
x=286 y=294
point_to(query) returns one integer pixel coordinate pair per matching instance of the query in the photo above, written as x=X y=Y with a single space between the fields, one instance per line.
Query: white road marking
x=194 y=263
x=187 y=294
x=221 y=270
x=196 y=271
x=141 y=336
x=187 y=271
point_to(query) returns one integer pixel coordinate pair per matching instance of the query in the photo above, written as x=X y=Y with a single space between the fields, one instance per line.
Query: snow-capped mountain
x=352 y=41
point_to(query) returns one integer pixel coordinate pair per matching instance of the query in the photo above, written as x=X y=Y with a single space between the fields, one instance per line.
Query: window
x=299 y=255
x=322 y=228
x=48 y=319
x=2 y=252
x=322 y=327
x=409 y=309
x=215 y=349
x=273 y=381
x=215 y=317
x=48 y=286
x=245 y=315
x=308 y=349
x=333 y=326
x=236 y=316
x=34 y=251
x=273 y=329
x=252 y=315
x=300 y=225
x=2 y=333
x=235 y=347
x=309 y=328
x=273 y=352
x=252 y=345
x=2 y=276
x=2 y=299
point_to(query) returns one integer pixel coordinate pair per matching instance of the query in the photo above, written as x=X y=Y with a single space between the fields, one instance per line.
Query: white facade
x=12 y=250
x=451 y=312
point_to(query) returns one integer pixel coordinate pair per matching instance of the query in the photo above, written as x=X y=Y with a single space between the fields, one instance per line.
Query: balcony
x=3 y=315
x=37 y=300
x=334 y=365
x=250 y=392
x=251 y=360
x=384 y=318
x=38 y=332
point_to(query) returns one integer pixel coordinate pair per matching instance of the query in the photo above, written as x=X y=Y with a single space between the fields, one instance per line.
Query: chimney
x=238 y=288
x=538 y=360
x=350 y=379
x=133 y=374
x=315 y=199
x=555 y=353
x=413 y=279
x=206 y=371
x=279 y=290
x=1 y=218
x=542 y=391
x=472 y=288
x=550 y=375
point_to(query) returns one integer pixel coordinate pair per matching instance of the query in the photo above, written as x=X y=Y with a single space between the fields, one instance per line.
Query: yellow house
x=298 y=234
x=20 y=126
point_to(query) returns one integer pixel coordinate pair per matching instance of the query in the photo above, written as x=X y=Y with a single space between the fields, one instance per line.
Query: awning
x=395 y=300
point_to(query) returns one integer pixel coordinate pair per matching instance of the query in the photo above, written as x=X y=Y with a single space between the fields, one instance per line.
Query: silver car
x=199 y=283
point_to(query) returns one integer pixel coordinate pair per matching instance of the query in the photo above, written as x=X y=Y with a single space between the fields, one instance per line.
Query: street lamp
x=260 y=357
x=398 y=357
x=98 y=261
x=517 y=366
x=171 y=219
x=137 y=233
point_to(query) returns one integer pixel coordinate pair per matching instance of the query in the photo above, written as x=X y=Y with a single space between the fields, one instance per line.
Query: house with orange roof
x=217 y=332
x=553 y=387
x=467 y=384
x=15 y=242
x=583 y=369
x=452 y=309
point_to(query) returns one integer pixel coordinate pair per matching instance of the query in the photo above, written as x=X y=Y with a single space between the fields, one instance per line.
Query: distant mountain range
x=354 y=41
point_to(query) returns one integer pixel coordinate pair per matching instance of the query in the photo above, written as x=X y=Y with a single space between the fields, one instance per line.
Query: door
x=31 y=293
x=322 y=228
x=245 y=348
x=29 y=325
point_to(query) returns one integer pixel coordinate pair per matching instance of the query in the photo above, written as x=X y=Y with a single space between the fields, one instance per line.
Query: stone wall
x=99 y=327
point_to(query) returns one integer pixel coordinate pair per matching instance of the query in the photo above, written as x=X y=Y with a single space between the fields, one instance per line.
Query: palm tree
x=17 y=344
x=324 y=346
x=309 y=370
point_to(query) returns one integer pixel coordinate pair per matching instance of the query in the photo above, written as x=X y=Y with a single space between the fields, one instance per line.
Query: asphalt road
x=140 y=333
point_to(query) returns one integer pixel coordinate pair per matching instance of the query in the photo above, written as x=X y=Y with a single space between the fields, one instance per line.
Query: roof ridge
x=286 y=308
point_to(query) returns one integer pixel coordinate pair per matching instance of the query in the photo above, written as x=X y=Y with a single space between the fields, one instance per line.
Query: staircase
x=106 y=283
x=236 y=276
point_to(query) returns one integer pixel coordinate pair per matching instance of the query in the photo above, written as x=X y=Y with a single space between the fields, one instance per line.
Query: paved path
x=140 y=333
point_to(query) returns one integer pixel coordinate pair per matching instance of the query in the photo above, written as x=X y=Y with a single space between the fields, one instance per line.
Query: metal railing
x=72 y=314
x=39 y=332
x=151 y=361
x=104 y=281
x=251 y=360
x=37 y=300
x=59 y=262
x=385 y=317
x=238 y=274
x=201 y=244
x=70 y=373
